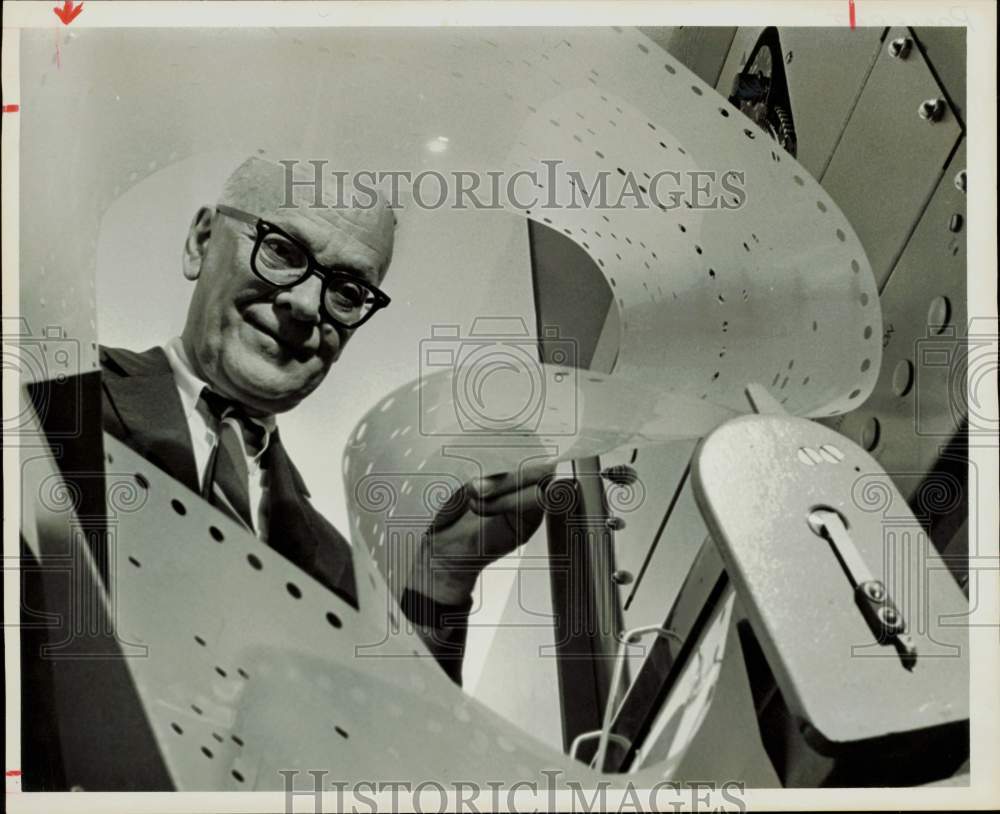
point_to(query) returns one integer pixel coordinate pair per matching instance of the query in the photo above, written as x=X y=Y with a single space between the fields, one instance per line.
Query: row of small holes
x=253 y=559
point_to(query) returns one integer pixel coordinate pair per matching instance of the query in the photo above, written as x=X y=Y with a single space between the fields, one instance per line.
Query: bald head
x=272 y=190
x=262 y=345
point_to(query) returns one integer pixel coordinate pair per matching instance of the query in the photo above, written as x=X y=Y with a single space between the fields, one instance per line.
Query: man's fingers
x=456 y=506
x=496 y=486
x=528 y=498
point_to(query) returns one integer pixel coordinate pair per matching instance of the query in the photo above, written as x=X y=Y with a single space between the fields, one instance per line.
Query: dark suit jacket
x=142 y=408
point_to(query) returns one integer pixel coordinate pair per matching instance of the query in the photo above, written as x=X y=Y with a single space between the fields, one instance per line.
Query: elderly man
x=280 y=286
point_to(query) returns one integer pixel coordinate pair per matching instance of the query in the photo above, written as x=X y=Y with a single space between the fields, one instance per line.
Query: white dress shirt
x=204 y=432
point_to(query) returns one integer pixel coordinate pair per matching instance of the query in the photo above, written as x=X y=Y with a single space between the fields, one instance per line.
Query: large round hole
x=178 y=506
x=294 y=590
x=870 y=433
x=902 y=377
x=217 y=535
x=939 y=314
x=254 y=561
x=333 y=619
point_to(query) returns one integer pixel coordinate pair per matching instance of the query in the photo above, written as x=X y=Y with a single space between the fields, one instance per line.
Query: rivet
x=615 y=523
x=622 y=577
x=955 y=224
x=900 y=48
x=931 y=110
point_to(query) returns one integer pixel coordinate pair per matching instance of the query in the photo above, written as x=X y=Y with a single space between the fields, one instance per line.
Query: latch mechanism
x=870 y=594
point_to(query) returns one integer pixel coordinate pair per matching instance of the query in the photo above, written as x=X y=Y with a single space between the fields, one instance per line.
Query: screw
x=614 y=523
x=900 y=48
x=889 y=616
x=622 y=577
x=876 y=590
x=931 y=110
x=960 y=180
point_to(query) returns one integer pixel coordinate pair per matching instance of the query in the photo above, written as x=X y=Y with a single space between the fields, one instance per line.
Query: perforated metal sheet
x=244 y=673
x=776 y=290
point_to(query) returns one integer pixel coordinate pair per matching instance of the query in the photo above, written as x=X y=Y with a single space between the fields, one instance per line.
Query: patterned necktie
x=226 y=485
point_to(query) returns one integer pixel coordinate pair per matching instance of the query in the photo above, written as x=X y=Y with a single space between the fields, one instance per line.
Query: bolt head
x=876 y=591
x=622 y=577
x=900 y=48
x=931 y=110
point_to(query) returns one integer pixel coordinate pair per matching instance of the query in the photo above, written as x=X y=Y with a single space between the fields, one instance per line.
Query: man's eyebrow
x=364 y=272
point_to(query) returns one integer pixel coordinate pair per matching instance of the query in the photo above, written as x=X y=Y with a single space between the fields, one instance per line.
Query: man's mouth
x=297 y=351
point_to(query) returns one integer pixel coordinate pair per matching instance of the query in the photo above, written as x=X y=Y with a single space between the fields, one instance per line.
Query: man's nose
x=302 y=301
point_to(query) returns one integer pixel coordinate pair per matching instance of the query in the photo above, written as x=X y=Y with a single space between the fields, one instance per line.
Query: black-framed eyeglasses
x=282 y=261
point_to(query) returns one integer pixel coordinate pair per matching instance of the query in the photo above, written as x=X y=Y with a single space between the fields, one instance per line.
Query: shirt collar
x=190 y=387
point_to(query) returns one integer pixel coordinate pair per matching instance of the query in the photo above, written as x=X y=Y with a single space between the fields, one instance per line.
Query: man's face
x=264 y=347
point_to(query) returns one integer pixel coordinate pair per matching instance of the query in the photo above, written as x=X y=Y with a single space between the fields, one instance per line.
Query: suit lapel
x=302 y=534
x=150 y=418
x=144 y=398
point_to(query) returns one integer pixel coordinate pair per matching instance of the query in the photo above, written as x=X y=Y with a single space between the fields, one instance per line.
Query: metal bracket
x=870 y=594
x=625 y=639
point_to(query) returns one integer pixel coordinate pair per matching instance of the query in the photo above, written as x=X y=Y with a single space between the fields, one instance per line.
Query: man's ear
x=196 y=243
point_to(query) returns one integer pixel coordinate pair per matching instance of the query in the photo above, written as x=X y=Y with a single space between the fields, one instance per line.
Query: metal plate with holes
x=252 y=667
x=798 y=598
x=703 y=49
x=752 y=292
x=920 y=400
x=889 y=159
x=820 y=107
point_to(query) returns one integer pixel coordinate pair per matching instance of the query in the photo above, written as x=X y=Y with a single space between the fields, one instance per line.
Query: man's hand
x=481 y=522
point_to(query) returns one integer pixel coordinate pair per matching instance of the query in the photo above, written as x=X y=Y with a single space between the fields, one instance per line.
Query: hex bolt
x=622 y=577
x=614 y=523
x=931 y=110
x=960 y=180
x=900 y=48
x=620 y=475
